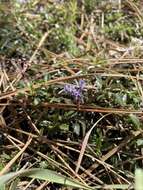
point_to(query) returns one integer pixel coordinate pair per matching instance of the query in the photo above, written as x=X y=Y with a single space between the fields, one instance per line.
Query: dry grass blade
x=69 y=168
x=84 y=144
x=86 y=108
x=12 y=161
x=42 y=186
x=113 y=151
x=137 y=11
x=38 y=47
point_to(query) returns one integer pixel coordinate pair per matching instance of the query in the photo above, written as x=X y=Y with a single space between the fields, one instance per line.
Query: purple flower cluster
x=76 y=91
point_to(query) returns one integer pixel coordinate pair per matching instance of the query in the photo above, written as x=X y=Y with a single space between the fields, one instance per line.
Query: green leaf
x=114 y=186
x=2 y=187
x=14 y=184
x=140 y=142
x=64 y=127
x=139 y=179
x=134 y=119
x=43 y=174
x=36 y=101
x=76 y=128
x=121 y=99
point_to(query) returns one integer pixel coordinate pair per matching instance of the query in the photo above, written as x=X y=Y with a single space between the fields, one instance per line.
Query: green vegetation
x=71 y=93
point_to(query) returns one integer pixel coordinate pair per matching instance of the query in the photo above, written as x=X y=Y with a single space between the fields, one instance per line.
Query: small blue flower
x=76 y=91
x=81 y=84
x=69 y=88
x=77 y=94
